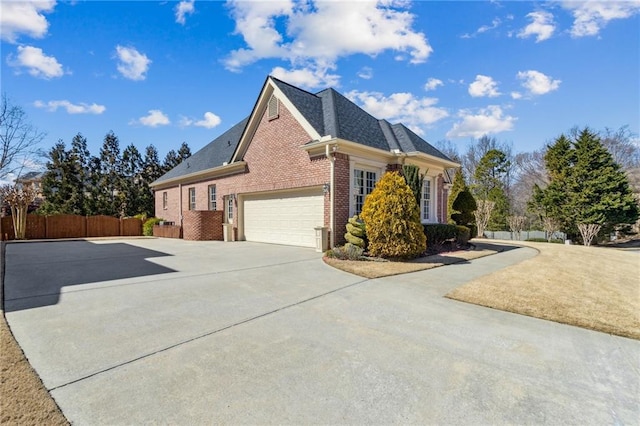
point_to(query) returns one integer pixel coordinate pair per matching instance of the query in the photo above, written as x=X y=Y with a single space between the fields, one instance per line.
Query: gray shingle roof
x=330 y=113
x=214 y=154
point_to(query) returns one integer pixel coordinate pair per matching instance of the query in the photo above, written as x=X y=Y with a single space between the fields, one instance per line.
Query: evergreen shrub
x=438 y=233
x=147 y=227
x=392 y=219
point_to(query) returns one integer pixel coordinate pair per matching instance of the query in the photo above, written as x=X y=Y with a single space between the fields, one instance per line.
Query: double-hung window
x=165 y=200
x=425 y=208
x=192 y=198
x=212 y=198
x=229 y=209
x=363 y=183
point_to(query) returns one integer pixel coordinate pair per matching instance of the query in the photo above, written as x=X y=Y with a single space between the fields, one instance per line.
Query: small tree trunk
x=588 y=231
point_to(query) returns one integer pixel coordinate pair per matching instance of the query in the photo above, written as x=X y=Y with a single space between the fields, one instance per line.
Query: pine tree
x=131 y=183
x=151 y=171
x=586 y=186
x=79 y=156
x=602 y=194
x=490 y=176
x=111 y=199
x=57 y=185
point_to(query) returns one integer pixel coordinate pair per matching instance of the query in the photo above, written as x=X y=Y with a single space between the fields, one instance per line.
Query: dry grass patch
x=591 y=287
x=23 y=398
x=373 y=269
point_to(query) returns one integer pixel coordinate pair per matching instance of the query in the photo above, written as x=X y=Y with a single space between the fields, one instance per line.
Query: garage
x=284 y=217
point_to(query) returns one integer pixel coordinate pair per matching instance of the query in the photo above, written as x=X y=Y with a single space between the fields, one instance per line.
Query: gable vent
x=272 y=108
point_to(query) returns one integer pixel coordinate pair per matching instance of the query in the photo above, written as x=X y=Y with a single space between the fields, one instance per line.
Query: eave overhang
x=212 y=173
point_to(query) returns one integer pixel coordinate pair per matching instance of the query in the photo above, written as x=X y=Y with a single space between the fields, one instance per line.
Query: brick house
x=298 y=162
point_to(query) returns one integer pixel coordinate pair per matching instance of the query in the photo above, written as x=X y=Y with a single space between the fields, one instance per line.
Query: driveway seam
x=148 y=281
x=210 y=333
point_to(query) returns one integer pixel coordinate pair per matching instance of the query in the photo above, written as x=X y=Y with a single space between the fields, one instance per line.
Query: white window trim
x=228 y=208
x=165 y=200
x=367 y=166
x=433 y=216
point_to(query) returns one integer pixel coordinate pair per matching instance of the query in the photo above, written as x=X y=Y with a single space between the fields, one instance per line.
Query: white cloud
x=314 y=35
x=24 y=17
x=71 y=108
x=155 y=118
x=37 y=63
x=591 y=16
x=484 y=86
x=432 y=84
x=489 y=120
x=183 y=9
x=309 y=77
x=516 y=95
x=483 y=29
x=366 y=73
x=541 y=26
x=405 y=108
x=209 y=121
x=537 y=83
x=132 y=64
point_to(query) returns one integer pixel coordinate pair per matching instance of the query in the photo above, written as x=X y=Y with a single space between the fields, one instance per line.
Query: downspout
x=180 y=203
x=331 y=195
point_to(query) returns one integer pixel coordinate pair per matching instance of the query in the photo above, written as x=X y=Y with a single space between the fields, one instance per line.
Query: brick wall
x=202 y=225
x=275 y=162
x=172 y=212
x=342 y=197
x=442 y=200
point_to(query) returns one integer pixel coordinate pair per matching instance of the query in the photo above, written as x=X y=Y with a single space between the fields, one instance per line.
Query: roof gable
x=308 y=108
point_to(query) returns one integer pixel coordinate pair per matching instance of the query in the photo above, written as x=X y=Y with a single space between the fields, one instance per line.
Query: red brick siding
x=275 y=161
x=172 y=212
x=442 y=200
x=342 y=197
x=202 y=225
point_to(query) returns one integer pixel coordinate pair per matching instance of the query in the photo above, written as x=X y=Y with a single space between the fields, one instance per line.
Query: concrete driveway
x=171 y=331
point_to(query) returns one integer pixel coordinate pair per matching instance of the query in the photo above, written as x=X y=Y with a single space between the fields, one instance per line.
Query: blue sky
x=166 y=72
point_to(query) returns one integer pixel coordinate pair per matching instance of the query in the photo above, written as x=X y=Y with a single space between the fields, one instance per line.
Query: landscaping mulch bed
x=378 y=269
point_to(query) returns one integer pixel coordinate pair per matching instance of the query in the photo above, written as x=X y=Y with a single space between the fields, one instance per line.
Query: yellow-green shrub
x=392 y=219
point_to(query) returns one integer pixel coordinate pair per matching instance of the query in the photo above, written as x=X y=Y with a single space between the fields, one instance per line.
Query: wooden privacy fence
x=72 y=226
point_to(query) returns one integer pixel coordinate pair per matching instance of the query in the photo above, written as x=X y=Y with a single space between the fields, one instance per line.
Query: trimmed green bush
x=392 y=218
x=544 y=240
x=463 y=235
x=356 y=233
x=147 y=227
x=438 y=233
x=347 y=252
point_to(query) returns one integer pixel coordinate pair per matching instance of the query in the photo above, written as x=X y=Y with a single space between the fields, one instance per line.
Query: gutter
x=224 y=170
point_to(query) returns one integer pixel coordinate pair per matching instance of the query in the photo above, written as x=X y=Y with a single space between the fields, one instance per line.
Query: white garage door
x=284 y=218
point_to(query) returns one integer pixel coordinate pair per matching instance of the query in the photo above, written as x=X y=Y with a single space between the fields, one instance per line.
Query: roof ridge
x=292 y=86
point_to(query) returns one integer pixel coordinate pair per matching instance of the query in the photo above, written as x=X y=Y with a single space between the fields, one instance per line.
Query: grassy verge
x=589 y=287
x=23 y=397
x=371 y=269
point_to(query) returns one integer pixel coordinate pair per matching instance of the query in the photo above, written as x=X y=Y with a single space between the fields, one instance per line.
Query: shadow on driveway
x=35 y=273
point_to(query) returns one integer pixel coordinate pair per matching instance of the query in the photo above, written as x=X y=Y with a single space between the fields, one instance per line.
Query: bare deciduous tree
x=516 y=224
x=483 y=214
x=550 y=226
x=18 y=198
x=19 y=139
x=588 y=231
